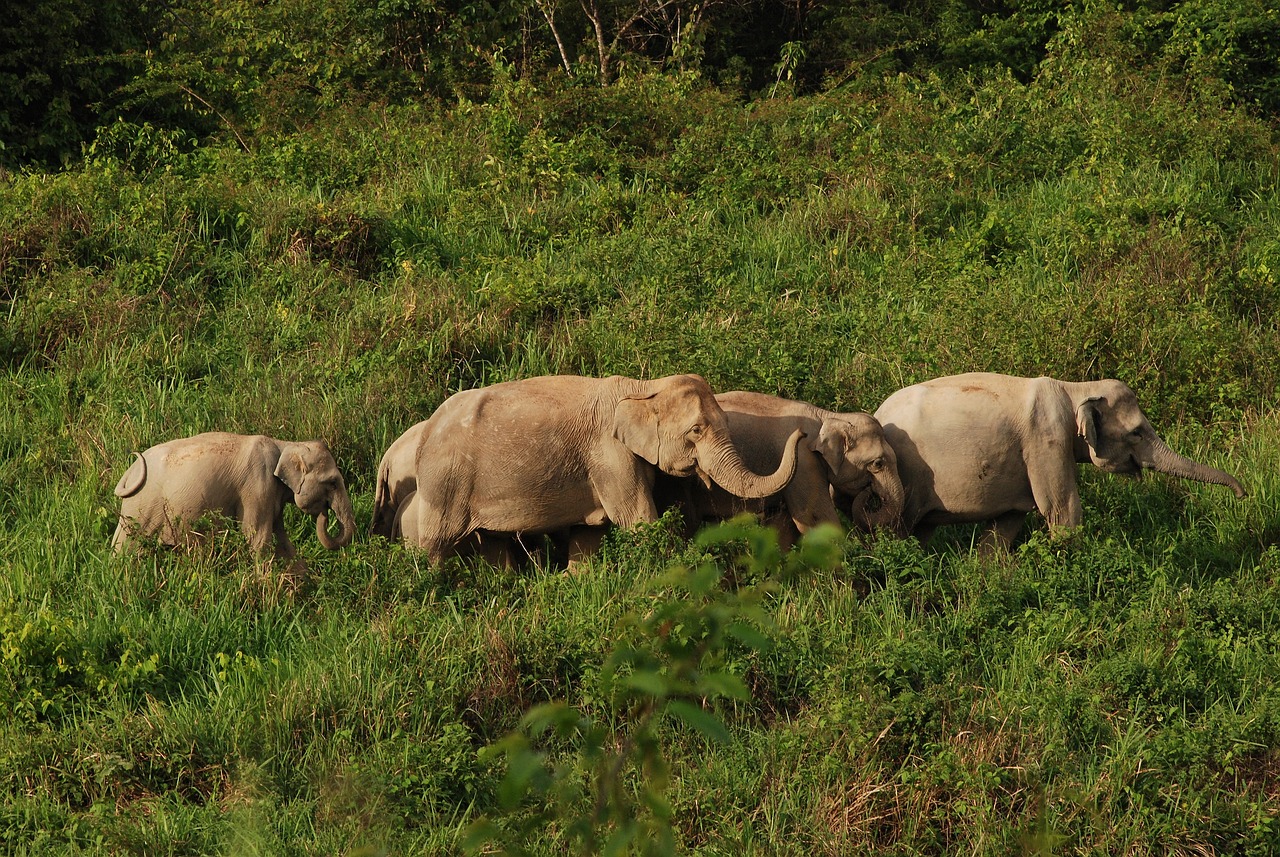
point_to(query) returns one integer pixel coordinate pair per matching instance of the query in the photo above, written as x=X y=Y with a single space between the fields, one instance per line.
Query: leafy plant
x=607 y=791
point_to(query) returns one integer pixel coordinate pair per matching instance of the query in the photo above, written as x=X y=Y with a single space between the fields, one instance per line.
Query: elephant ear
x=635 y=423
x=291 y=468
x=831 y=444
x=1087 y=417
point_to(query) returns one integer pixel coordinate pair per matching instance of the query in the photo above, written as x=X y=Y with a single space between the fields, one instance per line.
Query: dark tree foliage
x=61 y=62
x=241 y=67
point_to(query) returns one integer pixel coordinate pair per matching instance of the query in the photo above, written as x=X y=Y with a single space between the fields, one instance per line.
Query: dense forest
x=240 y=68
x=321 y=219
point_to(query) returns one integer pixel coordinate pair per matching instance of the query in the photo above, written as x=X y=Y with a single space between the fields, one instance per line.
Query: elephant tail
x=384 y=512
x=133 y=478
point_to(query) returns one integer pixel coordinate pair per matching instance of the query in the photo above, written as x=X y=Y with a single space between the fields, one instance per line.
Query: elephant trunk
x=893 y=498
x=1165 y=460
x=720 y=460
x=341 y=506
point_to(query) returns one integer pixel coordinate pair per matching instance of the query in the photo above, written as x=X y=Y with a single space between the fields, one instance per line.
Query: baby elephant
x=844 y=461
x=245 y=477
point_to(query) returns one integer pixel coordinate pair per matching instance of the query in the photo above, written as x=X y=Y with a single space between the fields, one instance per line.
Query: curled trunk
x=1165 y=460
x=341 y=506
x=720 y=459
x=893 y=498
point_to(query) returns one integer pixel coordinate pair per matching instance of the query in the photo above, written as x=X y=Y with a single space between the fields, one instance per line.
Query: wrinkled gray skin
x=545 y=454
x=983 y=447
x=397 y=480
x=844 y=460
x=395 y=507
x=495 y=549
x=247 y=478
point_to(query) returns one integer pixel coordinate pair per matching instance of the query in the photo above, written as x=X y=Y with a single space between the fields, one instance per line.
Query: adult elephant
x=246 y=478
x=843 y=460
x=983 y=447
x=545 y=454
x=397 y=479
x=395 y=504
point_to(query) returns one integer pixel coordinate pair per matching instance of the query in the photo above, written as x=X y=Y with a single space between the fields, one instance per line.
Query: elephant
x=989 y=448
x=496 y=549
x=844 y=460
x=248 y=478
x=395 y=506
x=547 y=454
x=397 y=479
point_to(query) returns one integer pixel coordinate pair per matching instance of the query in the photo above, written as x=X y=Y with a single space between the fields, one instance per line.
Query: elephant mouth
x=685 y=471
x=1129 y=466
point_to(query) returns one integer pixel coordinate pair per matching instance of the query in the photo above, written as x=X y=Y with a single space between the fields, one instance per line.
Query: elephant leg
x=265 y=532
x=495 y=549
x=1056 y=495
x=636 y=509
x=583 y=543
x=808 y=496
x=784 y=523
x=120 y=540
x=284 y=547
x=924 y=532
x=1002 y=533
x=439 y=530
x=625 y=492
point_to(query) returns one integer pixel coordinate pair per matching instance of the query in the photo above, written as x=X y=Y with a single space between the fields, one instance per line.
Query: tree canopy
x=69 y=67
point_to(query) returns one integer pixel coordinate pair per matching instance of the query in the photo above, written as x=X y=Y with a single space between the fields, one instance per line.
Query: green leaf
x=619 y=841
x=648 y=682
x=480 y=835
x=522 y=767
x=723 y=684
x=749 y=636
x=699 y=718
x=558 y=715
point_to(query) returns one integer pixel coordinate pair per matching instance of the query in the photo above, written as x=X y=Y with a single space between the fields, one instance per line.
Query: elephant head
x=864 y=468
x=310 y=472
x=676 y=425
x=1117 y=437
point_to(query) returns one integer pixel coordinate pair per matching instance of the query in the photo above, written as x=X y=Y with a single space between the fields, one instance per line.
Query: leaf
x=700 y=719
x=648 y=682
x=618 y=842
x=480 y=836
x=749 y=636
x=723 y=684
x=735 y=530
x=522 y=767
x=558 y=715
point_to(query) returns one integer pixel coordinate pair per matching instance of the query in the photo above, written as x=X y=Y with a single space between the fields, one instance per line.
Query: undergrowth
x=1115 y=693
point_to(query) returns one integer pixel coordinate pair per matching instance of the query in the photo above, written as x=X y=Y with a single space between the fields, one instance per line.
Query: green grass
x=1116 y=693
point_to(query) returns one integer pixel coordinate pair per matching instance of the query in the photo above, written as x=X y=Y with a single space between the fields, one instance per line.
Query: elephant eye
x=696 y=430
x=878 y=464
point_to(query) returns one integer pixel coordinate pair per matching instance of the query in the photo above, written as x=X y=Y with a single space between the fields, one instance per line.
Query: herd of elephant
x=565 y=456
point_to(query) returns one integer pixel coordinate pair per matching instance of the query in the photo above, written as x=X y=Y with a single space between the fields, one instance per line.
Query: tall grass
x=1114 y=693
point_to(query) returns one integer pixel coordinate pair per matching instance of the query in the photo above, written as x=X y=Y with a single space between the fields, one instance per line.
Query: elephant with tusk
x=248 y=478
x=844 y=461
x=983 y=447
x=546 y=454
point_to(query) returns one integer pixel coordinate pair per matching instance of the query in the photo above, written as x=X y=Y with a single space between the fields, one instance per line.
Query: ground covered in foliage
x=1114 y=693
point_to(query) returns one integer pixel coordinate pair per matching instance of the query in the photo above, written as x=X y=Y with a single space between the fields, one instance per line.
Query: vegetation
x=335 y=263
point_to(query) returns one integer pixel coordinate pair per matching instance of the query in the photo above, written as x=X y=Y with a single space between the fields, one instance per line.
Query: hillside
x=1113 y=693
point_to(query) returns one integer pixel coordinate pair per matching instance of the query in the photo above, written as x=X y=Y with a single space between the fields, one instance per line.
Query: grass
x=1112 y=693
